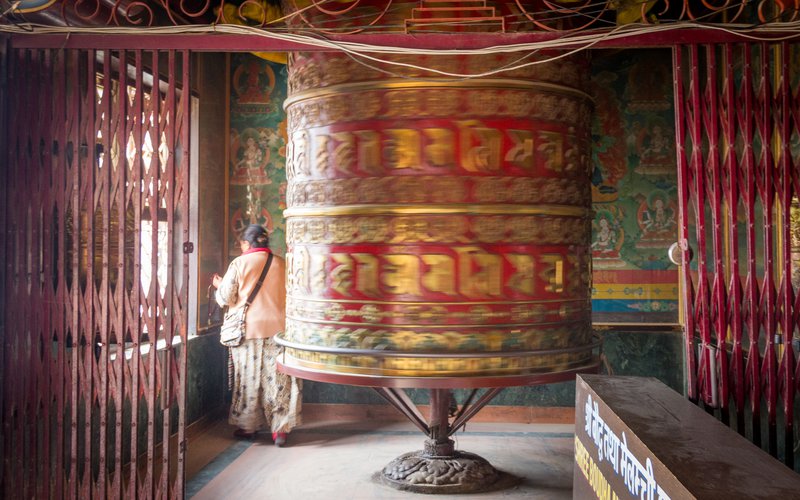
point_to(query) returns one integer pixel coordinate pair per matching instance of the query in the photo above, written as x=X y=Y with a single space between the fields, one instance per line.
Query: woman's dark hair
x=256 y=235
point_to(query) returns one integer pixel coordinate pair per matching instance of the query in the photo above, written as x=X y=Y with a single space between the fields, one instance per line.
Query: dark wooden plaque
x=637 y=438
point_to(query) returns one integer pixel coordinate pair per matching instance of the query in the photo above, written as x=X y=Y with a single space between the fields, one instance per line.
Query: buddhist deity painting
x=649 y=87
x=257 y=149
x=255 y=209
x=654 y=146
x=608 y=236
x=634 y=189
x=252 y=82
x=249 y=158
x=656 y=217
x=608 y=150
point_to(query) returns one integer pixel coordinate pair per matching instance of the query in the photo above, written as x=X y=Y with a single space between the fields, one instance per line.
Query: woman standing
x=263 y=398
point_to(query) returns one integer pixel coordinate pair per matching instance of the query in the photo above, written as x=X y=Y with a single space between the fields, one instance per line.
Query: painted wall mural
x=634 y=188
x=257 y=149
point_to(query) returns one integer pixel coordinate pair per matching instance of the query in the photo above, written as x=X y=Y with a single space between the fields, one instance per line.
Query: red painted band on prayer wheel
x=438 y=230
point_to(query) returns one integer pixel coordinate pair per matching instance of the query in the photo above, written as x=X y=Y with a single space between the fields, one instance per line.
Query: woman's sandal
x=280 y=438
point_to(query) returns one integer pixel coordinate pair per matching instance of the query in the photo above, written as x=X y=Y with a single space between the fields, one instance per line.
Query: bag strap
x=260 y=280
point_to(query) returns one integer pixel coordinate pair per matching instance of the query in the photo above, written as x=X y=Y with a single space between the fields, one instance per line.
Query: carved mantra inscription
x=465 y=147
x=467 y=272
x=376 y=105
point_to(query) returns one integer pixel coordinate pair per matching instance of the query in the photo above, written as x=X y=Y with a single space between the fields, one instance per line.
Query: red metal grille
x=738 y=125
x=95 y=276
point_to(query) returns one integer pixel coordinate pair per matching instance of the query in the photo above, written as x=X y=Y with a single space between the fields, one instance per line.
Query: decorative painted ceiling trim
x=396 y=16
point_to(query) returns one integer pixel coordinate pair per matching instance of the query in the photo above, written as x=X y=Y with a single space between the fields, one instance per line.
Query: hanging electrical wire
x=373 y=56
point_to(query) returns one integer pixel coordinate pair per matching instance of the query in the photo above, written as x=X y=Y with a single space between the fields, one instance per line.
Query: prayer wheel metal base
x=460 y=472
x=439 y=468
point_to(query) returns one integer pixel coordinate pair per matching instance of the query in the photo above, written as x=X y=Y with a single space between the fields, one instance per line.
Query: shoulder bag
x=232 y=332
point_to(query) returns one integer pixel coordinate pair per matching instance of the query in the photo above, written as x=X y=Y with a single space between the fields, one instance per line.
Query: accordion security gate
x=738 y=135
x=95 y=273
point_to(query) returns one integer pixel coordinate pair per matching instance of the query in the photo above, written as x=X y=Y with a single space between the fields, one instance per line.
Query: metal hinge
x=188 y=247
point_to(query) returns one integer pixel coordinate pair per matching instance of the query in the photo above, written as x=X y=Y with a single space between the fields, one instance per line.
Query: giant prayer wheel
x=438 y=228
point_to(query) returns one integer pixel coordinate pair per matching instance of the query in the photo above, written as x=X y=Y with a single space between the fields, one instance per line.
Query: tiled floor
x=337 y=461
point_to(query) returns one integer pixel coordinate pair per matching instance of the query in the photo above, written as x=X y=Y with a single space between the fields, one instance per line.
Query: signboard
x=635 y=438
x=611 y=463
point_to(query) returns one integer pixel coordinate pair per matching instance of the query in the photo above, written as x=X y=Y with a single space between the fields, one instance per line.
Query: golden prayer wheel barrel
x=438 y=229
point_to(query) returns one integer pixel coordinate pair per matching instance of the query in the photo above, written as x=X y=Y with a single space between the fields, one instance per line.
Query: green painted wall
x=634 y=187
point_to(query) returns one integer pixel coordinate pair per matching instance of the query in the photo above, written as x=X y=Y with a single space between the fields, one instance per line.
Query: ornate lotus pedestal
x=438 y=237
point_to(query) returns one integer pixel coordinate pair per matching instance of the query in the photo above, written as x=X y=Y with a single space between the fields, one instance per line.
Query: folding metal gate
x=96 y=273
x=738 y=135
